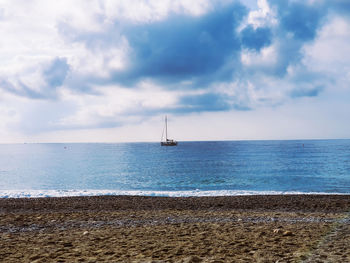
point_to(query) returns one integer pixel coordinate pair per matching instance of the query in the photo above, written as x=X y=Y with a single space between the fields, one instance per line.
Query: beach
x=262 y=228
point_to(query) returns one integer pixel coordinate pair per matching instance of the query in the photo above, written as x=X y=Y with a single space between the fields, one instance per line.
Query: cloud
x=341 y=7
x=43 y=80
x=203 y=102
x=124 y=61
x=298 y=24
x=181 y=51
x=184 y=48
x=306 y=92
x=185 y=52
x=20 y=89
x=256 y=38
x=56 y=73
x=300 y=19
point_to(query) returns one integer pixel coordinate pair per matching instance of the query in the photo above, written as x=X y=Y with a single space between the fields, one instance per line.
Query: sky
x=110 y=70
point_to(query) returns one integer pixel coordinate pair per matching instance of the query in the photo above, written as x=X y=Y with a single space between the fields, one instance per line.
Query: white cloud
x=115 y=105
x=98 y=62
x=267 y=57
x=146 y=11
x=330 y=52
x=263 y=16
x=332 y=44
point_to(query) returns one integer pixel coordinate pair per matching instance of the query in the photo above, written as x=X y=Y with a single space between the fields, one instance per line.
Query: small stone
x=287 y=233
x=277 y=231
x=263 y=233
x=86 y=233
x=193 y=259
x=67 y=244
x=17 y=218
x=35 y=257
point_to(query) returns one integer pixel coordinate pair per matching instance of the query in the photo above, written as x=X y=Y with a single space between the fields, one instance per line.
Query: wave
x=190 y=193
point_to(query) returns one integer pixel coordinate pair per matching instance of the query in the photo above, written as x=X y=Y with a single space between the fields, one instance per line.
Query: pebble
x=35 y=257
x=263 y=233
x=67 y=244
x=193 y=259
x=287 y=233
x=276 y=230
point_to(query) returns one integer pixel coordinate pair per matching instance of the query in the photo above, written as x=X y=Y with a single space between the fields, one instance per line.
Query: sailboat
x=167 y=142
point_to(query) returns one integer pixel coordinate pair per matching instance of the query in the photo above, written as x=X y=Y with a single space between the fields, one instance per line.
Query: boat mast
x=166 y=128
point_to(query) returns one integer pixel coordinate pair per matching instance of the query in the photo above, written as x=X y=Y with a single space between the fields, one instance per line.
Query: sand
x=290 y=228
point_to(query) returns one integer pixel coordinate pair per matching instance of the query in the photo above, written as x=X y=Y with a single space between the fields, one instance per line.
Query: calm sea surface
x=191 y=168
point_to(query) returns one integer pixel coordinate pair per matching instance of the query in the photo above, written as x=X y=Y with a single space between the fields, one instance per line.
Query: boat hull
x=168 y=143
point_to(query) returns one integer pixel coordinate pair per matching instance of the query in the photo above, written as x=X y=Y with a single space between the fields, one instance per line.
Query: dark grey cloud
x=200 y=49
x=256 y=38
x=300 y=19
x=340 y=7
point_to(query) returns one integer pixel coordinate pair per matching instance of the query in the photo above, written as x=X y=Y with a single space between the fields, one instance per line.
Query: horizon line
x=223 y=140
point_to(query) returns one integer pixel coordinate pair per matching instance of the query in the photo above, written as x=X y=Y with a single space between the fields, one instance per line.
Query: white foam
x=66 y=193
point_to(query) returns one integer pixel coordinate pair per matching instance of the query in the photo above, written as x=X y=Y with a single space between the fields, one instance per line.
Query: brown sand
x=300 y=228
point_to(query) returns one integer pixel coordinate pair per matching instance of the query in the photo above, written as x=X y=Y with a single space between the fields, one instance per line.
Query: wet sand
x=290 y=228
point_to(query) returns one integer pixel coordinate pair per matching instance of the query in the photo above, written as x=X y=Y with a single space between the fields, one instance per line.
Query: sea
x=208 y=168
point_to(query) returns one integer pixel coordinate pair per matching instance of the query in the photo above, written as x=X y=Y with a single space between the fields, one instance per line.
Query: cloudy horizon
x=109 y=71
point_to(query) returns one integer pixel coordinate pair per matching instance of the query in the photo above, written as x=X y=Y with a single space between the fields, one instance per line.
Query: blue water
x=191 y=168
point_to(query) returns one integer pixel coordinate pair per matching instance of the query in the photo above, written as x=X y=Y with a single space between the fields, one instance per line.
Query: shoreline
x=26 y=193
x=264 y=228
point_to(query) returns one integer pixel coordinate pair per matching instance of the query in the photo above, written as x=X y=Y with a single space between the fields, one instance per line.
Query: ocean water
x=190 y=169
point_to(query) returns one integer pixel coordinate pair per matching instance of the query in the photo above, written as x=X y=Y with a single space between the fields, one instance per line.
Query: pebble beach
x=262 y=228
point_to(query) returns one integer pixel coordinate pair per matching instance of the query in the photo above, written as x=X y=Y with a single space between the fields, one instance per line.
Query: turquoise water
x=191 y=168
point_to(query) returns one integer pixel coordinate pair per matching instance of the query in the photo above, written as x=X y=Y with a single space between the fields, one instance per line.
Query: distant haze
x=109 y=71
